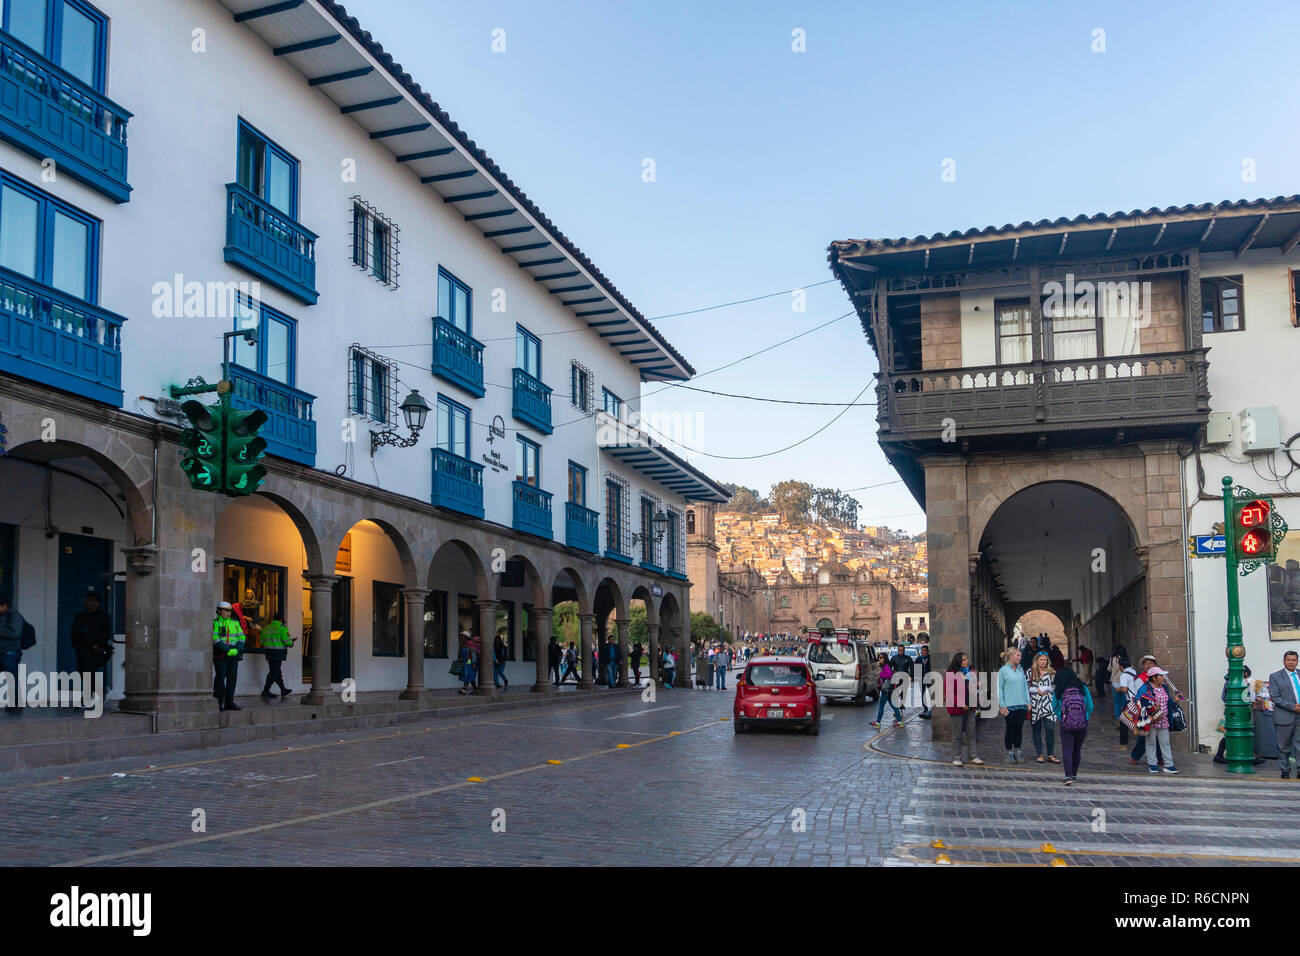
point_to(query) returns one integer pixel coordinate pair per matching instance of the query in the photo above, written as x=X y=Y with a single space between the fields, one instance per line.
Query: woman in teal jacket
x=1013 y=703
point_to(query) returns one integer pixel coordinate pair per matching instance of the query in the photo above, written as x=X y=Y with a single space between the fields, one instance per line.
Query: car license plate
x=776 y=713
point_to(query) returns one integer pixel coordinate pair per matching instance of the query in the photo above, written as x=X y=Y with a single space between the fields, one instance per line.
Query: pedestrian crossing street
x=1006 y=817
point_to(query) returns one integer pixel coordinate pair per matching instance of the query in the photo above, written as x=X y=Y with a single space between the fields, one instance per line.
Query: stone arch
x=139 y=509
x=537 y=582
x=1082 y=474
x=669 y=612
x=410 y=573
x=642 y=593
x=482 y=586
x=615 y=592
x=311 y=539
x=578 y=584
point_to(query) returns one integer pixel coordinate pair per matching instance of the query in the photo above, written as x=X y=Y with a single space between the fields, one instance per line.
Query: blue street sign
x=1211 y=544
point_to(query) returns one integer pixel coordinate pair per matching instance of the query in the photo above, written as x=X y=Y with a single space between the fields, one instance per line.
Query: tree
x=637 y=629
x=564 y=622
x=704 y=627
x=745 y=500
x=793 y=499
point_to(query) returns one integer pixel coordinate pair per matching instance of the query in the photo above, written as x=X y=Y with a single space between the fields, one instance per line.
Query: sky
x=763 y=155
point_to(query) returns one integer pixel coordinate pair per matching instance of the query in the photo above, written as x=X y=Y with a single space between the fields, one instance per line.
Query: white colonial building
x=158 y=154
x=1252 y=329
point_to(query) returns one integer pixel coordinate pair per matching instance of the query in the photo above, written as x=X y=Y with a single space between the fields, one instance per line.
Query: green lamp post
x=1252 y=530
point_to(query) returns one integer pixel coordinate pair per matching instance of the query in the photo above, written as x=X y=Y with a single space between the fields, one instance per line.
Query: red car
x=777 y=691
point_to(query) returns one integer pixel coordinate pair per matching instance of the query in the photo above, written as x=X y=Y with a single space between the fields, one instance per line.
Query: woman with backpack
x=1013 y=703
x=1072 y=703
x=1121 y=681
x=964 y=707
x=467 y=658
x=1042 y=713
x=668 y=664
x=884 y=692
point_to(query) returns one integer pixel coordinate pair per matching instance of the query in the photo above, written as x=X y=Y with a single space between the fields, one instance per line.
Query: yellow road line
x=356 y=808
x=290 y=749
x=1036 y=852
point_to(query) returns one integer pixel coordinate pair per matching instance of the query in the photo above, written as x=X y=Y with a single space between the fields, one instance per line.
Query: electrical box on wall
x=1218 y=428
x=1260 y=429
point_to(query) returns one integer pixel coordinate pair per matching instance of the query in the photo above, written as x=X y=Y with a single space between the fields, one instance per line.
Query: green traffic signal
x=201 y=445
x=242 y=451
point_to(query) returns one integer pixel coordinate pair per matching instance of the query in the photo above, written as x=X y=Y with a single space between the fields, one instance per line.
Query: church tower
x=702 y=559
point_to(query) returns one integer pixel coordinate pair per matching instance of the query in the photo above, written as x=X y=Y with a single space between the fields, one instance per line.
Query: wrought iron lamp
x=415 y=410
x=659 y=524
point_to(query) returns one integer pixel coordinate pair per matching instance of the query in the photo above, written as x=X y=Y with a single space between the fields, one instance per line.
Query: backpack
x=1074 y=711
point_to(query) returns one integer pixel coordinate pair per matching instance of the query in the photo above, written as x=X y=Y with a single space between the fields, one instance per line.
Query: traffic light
x=243 y=448
x=201 y=445
x=1251 y=530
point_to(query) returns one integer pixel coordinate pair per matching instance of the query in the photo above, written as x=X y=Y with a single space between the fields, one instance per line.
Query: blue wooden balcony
x=581 y=528
x=532 y=404
x=50 y=114
x=457 y=484
x=457 y=357
x=50 y=337
x=532 y=510
x=290 y=431
x=265 y=242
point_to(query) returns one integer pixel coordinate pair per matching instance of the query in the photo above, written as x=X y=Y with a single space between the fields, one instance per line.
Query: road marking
x=905 y=852
x=388 y=763
x=340 y=811
x=584 y=730
x=638 y=713
x=270 y=753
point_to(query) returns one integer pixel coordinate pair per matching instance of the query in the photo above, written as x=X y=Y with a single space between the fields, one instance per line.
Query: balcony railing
x=49 y=113
x=457 y=483
x=1119 y=392
x=264 y=241
x=581 y=527
x=532 y=404
x=457 y=357
x=290 y=431
x=532 y=510
x=56 y=339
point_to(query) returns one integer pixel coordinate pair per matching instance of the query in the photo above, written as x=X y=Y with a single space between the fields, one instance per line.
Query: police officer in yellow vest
x=227 y=649
x=276 y=641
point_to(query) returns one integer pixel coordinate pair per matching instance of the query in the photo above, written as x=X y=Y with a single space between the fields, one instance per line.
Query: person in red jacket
x=961 y=696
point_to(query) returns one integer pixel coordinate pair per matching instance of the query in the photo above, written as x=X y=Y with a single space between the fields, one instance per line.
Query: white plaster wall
x=1247 y=369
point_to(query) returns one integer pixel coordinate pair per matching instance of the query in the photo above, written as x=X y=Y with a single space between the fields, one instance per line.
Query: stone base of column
x=412 y=693
x=586 y=685
x=176 y=711
x=487 y=690
x=941 y=725
x=315 y=698
x=546 y=688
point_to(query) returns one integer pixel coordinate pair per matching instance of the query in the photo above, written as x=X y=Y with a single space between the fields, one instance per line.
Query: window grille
x=618 y=517
x=372 y=384
x=375 y=243
x=581 y=388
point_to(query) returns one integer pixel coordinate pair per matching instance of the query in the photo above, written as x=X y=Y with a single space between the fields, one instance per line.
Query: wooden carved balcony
x=1155 y=395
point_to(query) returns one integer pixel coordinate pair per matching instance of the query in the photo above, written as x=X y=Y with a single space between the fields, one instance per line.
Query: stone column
x=949 y=551
x=681 y=644
x=622 y=625
x=143 y=630
x=414 y=598
x=652 y=642
x=542 y=641
x=588 y=679
x=487 y=631
x=322 y=620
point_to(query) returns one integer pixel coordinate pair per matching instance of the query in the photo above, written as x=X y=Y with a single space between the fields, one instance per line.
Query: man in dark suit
x=1284 y=692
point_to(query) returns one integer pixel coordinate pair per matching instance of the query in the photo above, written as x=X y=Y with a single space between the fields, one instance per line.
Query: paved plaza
x=625 y=782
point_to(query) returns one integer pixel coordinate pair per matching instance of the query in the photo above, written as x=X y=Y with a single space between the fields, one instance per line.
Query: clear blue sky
x=764 y=156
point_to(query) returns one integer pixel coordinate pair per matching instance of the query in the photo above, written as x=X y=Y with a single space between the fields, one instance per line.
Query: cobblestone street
x=635 y=783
